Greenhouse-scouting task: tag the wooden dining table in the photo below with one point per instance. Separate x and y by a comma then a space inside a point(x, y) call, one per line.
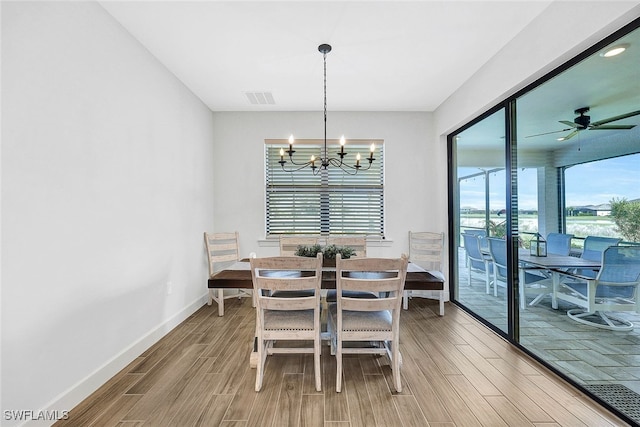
point(238, 276)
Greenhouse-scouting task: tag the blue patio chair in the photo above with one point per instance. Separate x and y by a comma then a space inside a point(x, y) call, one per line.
point(477, 261)
point(614, 289)
point(559, 243)
point(594, 246)
point(498, 252)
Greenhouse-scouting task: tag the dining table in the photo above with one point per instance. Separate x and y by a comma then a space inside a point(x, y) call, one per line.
point(555, 265)
point(238, 276)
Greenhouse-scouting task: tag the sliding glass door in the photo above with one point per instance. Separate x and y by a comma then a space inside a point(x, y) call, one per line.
point(561, 158)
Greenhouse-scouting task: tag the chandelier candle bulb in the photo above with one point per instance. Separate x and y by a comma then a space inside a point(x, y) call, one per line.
point(358, 160)
point(281, 154)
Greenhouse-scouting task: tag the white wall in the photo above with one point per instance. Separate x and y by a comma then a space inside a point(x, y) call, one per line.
point(107, 187)
point(415, 170)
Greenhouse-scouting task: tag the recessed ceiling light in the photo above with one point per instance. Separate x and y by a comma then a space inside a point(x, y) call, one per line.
point(562, 138)
point(615, 50)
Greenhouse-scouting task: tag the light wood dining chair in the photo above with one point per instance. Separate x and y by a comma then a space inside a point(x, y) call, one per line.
point(286, 319)
point(426, 250)
point(377, 320)
point(357, 243)
point(289, 244)
point(222, 251)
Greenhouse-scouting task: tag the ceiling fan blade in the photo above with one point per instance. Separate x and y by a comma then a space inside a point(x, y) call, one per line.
point(605, 127)
point(548, 133)
point(568, 123)
point(613, 119)
point(571, 135)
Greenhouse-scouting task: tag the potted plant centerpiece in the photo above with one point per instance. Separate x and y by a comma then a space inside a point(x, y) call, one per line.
point(328, 253)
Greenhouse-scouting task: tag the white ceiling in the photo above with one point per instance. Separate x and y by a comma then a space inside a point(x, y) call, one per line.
point(387, 55)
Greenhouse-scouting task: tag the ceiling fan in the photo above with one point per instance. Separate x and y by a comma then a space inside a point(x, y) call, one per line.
point(583, 122)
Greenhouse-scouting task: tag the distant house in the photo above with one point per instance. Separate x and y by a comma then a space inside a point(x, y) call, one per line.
point(593, 210)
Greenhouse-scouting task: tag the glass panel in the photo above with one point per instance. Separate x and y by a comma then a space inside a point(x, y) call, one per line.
point(481, 206)
point(579, 136)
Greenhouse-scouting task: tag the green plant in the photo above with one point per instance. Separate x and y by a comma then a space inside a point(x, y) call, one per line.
point(308, 251)
point(626, 215)
point(497, 229)
point(331, 251)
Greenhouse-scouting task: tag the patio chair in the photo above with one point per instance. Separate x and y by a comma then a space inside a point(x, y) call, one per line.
point(369, 320)
point(614, 289)
point(425, 250)
point(559, 243)
point(476, 260)
point(286, 319)
point(594, 246)
point(529, 282)
point(222, 251)
point(482, 234)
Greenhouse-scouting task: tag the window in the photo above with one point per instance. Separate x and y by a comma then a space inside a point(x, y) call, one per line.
point(331, 202)
point(590, 189)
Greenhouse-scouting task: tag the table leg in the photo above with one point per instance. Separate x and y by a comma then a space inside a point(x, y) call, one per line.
point(555, 279)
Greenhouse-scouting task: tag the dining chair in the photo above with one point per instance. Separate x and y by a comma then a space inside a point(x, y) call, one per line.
point(425, 250)
point(614, 289)
point(476, 260)
point(357, 243)
point(222, 251)
point(287, 319)
point(529, 283)
point(352, 321)
point(559, 243)
point(289, 244)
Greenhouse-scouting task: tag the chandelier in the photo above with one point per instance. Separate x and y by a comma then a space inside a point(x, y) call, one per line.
point(324, 161)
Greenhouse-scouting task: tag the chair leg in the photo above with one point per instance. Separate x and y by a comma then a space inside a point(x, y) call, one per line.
point(211, 297)
point(441, 303)
point(339, 366)
point(220, 302)
point(405, 300)
point(316, 359)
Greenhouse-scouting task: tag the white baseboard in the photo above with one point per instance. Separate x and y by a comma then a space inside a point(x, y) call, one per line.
point(81, 390)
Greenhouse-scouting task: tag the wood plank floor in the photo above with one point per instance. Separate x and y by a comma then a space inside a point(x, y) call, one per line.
point(455, 372)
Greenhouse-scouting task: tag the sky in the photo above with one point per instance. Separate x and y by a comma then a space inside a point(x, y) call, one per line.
point(587, 184)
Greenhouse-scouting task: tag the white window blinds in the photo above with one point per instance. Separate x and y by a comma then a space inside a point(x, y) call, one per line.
point(332, 202)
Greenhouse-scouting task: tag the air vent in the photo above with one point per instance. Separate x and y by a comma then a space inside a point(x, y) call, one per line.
point(260, 98)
